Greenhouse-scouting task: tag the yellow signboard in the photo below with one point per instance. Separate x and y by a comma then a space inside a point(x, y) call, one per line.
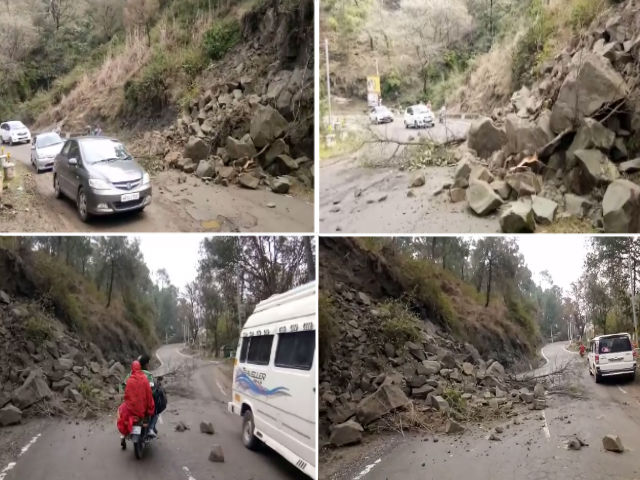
point(373, 84)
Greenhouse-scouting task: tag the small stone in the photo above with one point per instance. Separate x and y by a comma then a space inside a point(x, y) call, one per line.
point(207, 427)
point(612, 443)
point(216, 455)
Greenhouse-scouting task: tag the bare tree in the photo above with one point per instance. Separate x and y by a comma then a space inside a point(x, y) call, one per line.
point(140, 14)
point(59, 10)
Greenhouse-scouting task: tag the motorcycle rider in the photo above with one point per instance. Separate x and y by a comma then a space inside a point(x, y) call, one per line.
point(582, 349)
point(144, 364)
point(138, 401)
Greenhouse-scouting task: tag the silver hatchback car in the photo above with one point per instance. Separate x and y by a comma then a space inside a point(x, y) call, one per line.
point(44, 149)
point(101, 177)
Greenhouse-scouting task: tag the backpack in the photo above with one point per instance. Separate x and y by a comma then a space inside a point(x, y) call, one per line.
point(160, 399)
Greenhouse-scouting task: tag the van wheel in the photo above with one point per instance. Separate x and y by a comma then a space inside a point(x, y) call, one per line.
point(598, 377)
point(248, 438)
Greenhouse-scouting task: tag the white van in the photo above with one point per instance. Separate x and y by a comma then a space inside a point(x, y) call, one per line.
point(612, 355)
point(274, 379)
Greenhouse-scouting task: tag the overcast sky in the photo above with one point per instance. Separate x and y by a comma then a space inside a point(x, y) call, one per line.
point(562, 255)
point(176, 253)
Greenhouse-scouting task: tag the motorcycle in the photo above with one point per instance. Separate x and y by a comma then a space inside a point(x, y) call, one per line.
point(139, 435)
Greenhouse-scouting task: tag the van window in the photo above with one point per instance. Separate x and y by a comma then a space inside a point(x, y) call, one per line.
point(260, 350)
point(296, 349)
point(615, 344)
point(244, 349)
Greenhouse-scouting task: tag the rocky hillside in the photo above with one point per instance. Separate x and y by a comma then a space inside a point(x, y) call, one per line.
point(50, 363)
point(562, 152)
point(384, 348)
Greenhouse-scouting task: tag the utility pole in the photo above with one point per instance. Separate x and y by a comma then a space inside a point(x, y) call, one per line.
point(326, 51)
point(551, 333)
point(632, 289)
point(377, 71)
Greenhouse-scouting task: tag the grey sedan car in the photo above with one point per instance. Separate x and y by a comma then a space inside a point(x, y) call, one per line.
point(101, 177)
point(44, 149)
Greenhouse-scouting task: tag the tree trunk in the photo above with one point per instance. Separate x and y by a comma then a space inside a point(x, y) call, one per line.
point(311, 262)
point(110, 284)
point(489, 283)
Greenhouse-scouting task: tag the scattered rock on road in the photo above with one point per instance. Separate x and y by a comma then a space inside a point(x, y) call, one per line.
point(207, 427)
point(494, 437)
point(346, 433)
point(417, 180)
point(216, 455)
point(181, 426)
point(612, 443)
point(453, 427)
point(10, 415)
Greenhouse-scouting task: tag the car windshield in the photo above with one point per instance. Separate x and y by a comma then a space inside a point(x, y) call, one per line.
point(421, 109)
point(615, 344)
point(48, 139)
point(16, 125)
point(103, 150)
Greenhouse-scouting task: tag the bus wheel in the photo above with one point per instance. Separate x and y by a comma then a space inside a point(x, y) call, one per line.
point(248, 438)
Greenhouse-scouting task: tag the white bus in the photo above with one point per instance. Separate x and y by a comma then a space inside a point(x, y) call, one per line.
point(274, 379)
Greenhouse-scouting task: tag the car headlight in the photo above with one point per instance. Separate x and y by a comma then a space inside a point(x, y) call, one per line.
point(98, 184)
point(146, 179)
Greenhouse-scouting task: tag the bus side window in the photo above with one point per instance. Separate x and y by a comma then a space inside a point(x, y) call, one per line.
point(296, 349)
point(259, 351)
point(244, 349)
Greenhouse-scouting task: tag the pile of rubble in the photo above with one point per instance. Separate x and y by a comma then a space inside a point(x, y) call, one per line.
point(563, 148)
point(253, 123)
point(367, 380)
point(46, 370)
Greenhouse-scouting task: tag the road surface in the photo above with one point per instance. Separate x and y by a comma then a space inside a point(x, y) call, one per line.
point(350, 191)
point(532, 450)
point(192, 206)
point(70, 450)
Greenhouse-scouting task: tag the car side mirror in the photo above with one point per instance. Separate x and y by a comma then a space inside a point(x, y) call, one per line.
point(73, 161)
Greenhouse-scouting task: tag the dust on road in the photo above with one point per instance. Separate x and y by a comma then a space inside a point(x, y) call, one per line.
point(181, 203)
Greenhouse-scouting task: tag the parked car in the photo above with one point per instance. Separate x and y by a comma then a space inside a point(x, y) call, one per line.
point(274, 386)
point(14, 132)
point(44, 149)
point(101, 177)
point(380, 114)
point(612, 355)
point(418, 116)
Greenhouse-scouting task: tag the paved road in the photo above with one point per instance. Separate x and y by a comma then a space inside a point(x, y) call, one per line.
point(65, 450)
point(535, 449)
point(191, 206)
point(350, 191)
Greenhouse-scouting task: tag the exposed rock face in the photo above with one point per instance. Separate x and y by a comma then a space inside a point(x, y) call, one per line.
point(485, 138)
point(585, 90)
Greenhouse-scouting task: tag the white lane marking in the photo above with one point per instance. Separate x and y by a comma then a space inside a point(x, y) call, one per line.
point(569, 351)
point(5, 471)
point(28, 445)
point(180, 353)
point(367, 469)
point(188, 473)
point(621, 389)
point(220, 388)
point(546, 360)
point(159, 359)
point(547, 433)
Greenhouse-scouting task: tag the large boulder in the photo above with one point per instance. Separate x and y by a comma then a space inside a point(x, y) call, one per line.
point(243, 148)
point(196, 149)
point(485, 138)
point(524, 135)
point(518, 218)
point(524, 183)
point(482, 199)
point(596, 169)
point(589, 86)
point(10, 415)
point(34, 389)
point(544, 210)
point(384, 400)
point(621, 207)
point(591, 135)
point(266, 125)
point(205, 169)
point(346, 433)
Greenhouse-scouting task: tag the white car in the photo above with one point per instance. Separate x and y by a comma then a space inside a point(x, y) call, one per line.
point(14, 132)
point(418, 116)
point(274, 378)
point(612, 355)
point(380, 114)
point(44, 149)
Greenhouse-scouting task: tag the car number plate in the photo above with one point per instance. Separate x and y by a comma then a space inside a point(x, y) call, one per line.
point(137, 430)
point(130, 197)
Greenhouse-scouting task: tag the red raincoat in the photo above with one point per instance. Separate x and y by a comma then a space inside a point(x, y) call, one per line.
point(138, 400)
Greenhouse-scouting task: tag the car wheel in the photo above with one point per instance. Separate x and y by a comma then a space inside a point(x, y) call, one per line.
point(632, 377)
point(11, 142)
point(598, 378)
point(81, 203)
point(56, 186)
point(248, 438)
point(590, 372)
